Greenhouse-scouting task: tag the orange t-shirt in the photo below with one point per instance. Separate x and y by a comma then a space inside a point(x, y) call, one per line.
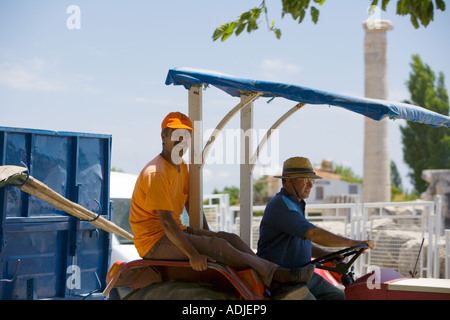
point(159, 186)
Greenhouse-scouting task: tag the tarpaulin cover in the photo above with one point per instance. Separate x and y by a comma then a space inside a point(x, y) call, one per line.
point(372, 108)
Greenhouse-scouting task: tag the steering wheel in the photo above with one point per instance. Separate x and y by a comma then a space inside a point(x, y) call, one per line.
point(341, 267)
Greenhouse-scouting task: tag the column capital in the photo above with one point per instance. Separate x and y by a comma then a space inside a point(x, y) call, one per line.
point(377, 25)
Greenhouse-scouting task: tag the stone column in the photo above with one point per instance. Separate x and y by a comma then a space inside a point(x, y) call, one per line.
point(439, 185)
point(377, 172)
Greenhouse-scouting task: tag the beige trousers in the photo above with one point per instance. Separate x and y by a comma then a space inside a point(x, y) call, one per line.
point(224, 247)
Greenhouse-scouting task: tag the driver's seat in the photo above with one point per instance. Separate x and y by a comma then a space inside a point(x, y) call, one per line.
point(245, 284)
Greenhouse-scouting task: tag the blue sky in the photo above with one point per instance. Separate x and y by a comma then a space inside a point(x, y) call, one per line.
point(108, 76)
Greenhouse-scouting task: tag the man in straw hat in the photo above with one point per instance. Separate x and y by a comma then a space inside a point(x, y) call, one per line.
point(287, 238)
point(159, 197)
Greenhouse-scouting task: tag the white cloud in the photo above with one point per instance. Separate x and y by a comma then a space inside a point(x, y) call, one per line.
point(271, 170)
point(147, 100)
point(207, 175)
point(29, 76)
point(223, 174)
point(210, 174)
point(276, 69)
point(41, 75)
point(399, 95)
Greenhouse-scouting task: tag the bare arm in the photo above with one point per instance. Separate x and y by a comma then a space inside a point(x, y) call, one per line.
point(205, 222)
point(328, 239)
point(317, 252)
point(177, 236)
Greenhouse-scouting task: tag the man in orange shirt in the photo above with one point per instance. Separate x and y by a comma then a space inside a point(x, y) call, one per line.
point(159, 197)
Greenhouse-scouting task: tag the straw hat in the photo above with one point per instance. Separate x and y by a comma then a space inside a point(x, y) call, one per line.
point(177, 120)
point(298, 167)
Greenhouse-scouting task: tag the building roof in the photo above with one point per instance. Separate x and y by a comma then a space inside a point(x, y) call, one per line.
point(327, 174)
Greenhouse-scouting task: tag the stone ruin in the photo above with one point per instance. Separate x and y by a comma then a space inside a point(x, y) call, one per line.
point(439, 185)
point(399, 240)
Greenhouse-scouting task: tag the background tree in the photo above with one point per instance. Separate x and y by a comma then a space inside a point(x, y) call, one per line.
point(419, 11)
point(396, 180)
point(425, 147)
point(347, 174)
point(233, 192)
point(260, 192)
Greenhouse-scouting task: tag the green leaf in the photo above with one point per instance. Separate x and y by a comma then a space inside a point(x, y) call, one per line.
point(429, 14)
point(301, 15)
point(219, 31)
point(255, 13)
point(245, 15)
point(314, 14)
point(420, 12)
point(228, 31)
point(240, 28)
point(230, 27)
point(225, 36)
point(402, 8)
point(277, 33)
point(414, 22)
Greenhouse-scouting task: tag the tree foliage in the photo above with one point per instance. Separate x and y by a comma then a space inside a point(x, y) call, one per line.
point(248, 20)
point(421, 12)
point(233, 192)
point(396, 180)
point(425, 147)
point(260, 192)
point(347, 174)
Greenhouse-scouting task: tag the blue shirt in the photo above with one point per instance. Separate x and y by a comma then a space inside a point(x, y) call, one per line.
point(282, 232)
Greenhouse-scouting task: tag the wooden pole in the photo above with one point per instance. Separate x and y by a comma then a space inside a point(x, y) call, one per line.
point(42, 191)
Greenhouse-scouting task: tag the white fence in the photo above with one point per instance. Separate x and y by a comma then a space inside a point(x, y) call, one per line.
point(447, 254)
point(217, 211)
point(408, 235)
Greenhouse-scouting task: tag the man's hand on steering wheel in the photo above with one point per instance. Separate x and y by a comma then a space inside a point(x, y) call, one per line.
point(354, 251)
point(370, 244)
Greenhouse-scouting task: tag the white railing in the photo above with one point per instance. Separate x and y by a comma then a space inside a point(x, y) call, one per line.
point(394, 240)
point(398, 237)
point(447, 253)
point(220, 217)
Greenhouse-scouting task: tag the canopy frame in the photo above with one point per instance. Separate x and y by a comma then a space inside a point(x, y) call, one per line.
point(248, 160)
point(248, 90)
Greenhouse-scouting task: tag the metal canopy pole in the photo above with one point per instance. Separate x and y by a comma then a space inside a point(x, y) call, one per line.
point(247, 159)
point(196, 161)
point(246, 183)
point(245, 100)
point(266, 137)
point(248, 162)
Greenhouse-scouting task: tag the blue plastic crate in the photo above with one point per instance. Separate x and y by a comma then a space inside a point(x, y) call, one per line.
point(60, 256)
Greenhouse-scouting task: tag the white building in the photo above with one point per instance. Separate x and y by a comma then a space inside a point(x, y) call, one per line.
point(330, 189)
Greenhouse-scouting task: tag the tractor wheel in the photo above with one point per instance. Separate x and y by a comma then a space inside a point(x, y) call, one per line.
point(176, 290)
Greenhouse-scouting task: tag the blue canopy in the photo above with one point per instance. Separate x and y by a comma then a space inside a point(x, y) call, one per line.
point(372, 108)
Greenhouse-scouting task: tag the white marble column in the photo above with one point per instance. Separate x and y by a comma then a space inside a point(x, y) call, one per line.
point(376, 180)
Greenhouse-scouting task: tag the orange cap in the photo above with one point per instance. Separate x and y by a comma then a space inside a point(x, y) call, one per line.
point(177, 120)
